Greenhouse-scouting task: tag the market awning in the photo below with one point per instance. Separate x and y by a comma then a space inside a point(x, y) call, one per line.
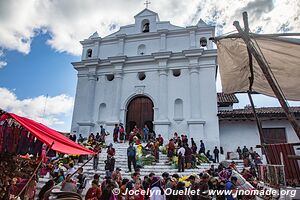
point(48, 136)
point(282, 55)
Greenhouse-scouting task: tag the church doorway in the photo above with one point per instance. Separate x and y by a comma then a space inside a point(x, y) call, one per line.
point(139, 112)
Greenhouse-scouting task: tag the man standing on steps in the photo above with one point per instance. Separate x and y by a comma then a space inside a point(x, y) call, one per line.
point(116, 132)
point(81, 184)
point(131, 154)
point(146, 133)
point(109, 165)
point(97, 149)
point(110, 150)
point(216, 154)
point(202, 147)
point(181, 161)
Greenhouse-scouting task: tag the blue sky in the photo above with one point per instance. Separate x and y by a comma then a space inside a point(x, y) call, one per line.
point(42, 71)
point(40, 38)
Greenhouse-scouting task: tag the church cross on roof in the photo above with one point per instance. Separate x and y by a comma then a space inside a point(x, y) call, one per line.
point(147, 3)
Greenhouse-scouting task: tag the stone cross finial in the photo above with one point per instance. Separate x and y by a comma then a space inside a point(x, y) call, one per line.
point(147, 3)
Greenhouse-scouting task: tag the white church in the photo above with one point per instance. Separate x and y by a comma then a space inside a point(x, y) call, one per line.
point(155, 73)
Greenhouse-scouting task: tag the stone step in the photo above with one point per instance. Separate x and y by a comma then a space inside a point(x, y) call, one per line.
point(121, 161)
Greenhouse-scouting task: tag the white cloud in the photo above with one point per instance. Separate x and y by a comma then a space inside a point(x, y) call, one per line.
point(70, 21)
point(2, 62)
point(56, 107)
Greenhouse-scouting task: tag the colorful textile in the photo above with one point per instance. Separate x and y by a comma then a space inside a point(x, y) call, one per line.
point(48, 136)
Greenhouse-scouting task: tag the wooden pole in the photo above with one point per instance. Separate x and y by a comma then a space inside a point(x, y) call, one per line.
point(269, 78)
point(81, 166)
point(251, 79)
point(294, 157)
point(34, 173)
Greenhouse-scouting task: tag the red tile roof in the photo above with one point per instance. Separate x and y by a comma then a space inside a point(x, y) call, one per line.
point(227, 98)
point(263, 112)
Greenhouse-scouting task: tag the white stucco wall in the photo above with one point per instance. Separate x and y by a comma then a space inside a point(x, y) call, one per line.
point(240, 133)
point(167, 47)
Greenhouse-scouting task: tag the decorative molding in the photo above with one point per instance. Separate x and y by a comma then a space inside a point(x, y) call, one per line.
point(121, 36)
point(162, 55)
point(196, 121)
point(162, 122)
point(86, 123)
point(147, 58)
point(100, 122)
point(112, 123)
point(193, 52)
point(178, 119)
point(192, 28)
point(139, 89)
point(117, 59)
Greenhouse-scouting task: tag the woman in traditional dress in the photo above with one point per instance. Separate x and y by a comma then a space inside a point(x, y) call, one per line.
point(171, 149)
point(121, 133)
point(94, 193)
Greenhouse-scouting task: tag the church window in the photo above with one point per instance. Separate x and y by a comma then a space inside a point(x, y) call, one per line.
point(110, 77)
point(141, 50)
point(141, 76)
point(89, 53)
point(203, 42)
point(176, 72)
point(102, 114)
point(178, 109)
point(145, 26)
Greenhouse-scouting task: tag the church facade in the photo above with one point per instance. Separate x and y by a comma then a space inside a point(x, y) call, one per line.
point(150, 72)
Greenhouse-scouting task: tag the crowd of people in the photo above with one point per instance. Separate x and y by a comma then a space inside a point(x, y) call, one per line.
point(60, 168)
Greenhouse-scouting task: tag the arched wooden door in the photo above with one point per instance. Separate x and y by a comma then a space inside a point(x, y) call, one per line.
point(139, 112)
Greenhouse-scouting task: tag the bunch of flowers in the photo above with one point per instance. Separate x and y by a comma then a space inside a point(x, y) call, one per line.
point(184, 179)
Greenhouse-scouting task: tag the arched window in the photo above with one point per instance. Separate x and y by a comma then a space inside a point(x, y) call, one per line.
point(89, 53)
point(203, 42)
point(102, 112)
point(178, 109)
point(141, 50)
point(145, 26)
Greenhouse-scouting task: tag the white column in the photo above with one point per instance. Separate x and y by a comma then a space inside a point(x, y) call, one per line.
point(163, 42)
point(194, 93)
point(163, 94)
point(96, 49)
point(117, 100)
point(91, 96)
point(192, 39)
point(121, 42)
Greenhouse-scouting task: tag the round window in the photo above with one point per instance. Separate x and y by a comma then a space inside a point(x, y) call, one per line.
point(176, 72)
point(141, 76)
point(110, 77)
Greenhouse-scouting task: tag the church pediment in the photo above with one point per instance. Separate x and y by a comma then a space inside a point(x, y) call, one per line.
point(201, 23)
point(146, 13)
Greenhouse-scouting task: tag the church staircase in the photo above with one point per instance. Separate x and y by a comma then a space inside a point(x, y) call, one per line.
point(121, 161)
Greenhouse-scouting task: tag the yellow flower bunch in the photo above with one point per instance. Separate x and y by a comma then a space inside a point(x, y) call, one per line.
point(184, 180)
point(139, 150)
